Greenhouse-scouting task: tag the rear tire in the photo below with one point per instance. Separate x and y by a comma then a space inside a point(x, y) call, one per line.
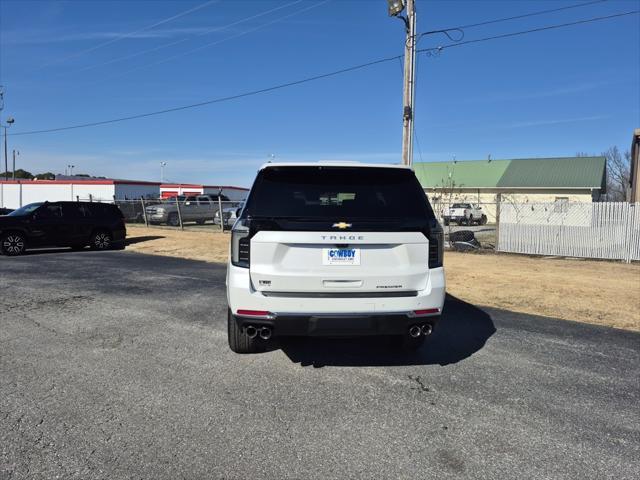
point(446, 223)
point(173, 220)
point(239, 342)
point(483, 220)
point(101, 240)
point(13, 244)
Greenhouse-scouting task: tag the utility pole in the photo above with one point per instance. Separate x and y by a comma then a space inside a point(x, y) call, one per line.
point(408, 88)
point(14, 163)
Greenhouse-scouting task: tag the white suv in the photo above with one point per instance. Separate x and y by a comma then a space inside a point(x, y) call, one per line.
point(334, 249)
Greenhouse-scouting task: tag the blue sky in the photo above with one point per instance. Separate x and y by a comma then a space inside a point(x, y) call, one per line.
point(62, 63)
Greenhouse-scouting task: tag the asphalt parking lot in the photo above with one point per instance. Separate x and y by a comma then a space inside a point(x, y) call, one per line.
point(116, 365)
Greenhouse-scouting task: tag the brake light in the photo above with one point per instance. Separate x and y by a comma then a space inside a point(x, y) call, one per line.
point(240, 244)
point(427, 311)
point(435, 235)
point(254, 313)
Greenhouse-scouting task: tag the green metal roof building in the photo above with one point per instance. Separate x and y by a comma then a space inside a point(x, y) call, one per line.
point(567, 173)
point(522, 180)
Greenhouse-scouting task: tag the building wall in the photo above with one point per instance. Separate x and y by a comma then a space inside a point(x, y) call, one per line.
point(166, 192)
point(128, 191)
point(15, 195)
point(9, 195)
point(234, 194)
point(97, 193)
point(489, 198)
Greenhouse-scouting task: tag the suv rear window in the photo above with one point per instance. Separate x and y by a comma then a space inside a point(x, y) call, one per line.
point(337, 193)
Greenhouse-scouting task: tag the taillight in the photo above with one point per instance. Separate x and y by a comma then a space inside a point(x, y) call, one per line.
point(436, 245)
point(240, 244)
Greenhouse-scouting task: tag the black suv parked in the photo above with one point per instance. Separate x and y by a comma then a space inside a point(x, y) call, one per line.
point(62, 224)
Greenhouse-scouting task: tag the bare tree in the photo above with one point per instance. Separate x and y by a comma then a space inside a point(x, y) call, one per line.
point(618, 174)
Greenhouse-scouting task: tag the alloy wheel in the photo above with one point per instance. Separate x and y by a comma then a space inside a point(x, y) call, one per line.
point(13, 244)
point(102, 241)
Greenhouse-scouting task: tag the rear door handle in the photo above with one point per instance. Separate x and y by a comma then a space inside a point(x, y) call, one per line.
point(342, 283)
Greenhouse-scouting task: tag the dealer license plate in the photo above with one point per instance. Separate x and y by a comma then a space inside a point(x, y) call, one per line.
point(341, 256)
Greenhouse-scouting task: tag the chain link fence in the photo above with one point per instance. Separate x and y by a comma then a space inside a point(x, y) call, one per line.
point(176, 212)
point(603, 230)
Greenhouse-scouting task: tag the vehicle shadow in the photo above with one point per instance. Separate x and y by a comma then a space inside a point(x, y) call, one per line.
point(143, 238)
point(463, 330)
point(49, 250)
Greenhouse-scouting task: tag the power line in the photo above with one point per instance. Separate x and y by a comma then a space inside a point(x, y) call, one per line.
point(524, 32)
point(504, 19)
point(182, 40)
point(318, 77)
point(129, 34)
point(216, 100)
point(216, 42)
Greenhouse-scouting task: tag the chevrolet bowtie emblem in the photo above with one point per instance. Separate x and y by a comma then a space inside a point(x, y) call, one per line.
point(342, 225)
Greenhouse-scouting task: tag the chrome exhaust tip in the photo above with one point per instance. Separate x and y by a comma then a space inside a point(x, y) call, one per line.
point(427, 329)
point(265, 333)
point(415, 331)
point(251, 331)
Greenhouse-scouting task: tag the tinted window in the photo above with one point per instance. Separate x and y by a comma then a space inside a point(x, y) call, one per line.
point(73, 210)
point(25, 210)
point(337, 193)
point(461, 205)
point(51, 210)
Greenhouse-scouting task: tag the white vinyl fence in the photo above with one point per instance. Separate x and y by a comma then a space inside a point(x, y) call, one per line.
point(589, 230)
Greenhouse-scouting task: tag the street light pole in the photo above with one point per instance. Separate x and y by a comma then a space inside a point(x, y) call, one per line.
point(408, 88)
point(162, 165)
point(6, 165)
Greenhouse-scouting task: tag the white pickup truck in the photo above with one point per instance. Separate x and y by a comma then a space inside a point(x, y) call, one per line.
point(464, 214)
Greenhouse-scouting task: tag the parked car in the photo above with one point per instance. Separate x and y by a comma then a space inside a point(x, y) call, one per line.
point(334, 249)
point(62, 224)
point(199, 209)
point(464, 214)
point(230, 215)
point(5, 211)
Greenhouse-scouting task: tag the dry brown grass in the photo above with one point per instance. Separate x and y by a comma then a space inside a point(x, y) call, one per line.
point(604, 293)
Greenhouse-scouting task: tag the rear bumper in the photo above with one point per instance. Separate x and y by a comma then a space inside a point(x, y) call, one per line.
point(314, 315)
point(315, 325)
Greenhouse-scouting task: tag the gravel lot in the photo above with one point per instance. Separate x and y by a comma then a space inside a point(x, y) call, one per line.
point(116, 365)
